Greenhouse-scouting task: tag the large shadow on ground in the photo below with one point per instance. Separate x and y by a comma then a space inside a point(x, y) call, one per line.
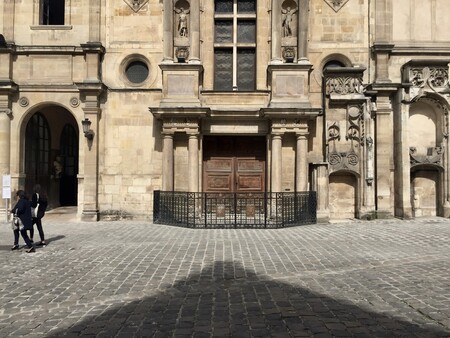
point(228, 301)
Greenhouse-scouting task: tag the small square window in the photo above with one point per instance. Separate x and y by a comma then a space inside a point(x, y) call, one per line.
point(51, 12)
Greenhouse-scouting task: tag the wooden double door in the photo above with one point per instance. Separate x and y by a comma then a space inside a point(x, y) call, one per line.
point(234, 164)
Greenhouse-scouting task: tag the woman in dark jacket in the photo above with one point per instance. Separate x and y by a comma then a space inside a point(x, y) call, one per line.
point(22, 209)
point(39, 204)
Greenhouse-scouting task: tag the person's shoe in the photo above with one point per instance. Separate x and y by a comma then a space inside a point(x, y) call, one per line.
point(15, 247)
point(43, 243)
point(32, 249)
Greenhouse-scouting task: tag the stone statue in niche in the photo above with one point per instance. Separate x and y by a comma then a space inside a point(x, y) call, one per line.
point(182, 22)
point(287, 20)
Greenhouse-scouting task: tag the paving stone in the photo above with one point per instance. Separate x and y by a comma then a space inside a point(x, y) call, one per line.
point(353, 279)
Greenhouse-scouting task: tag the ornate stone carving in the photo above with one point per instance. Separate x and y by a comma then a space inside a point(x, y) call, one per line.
point(23, 101)
point(182, 54)
point(336, 4)
point(348, 160)
point(433, 156)
point(182, 21)
point(289, 54)
point(74, 102)
point(434, 77)
point(136, 5)
point(288, 20)
point(344, 85)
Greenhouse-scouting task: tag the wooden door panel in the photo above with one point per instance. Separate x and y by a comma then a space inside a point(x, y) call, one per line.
point(234, 164)
point(219, 183)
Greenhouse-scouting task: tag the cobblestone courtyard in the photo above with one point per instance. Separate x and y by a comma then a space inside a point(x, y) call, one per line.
point(135, 279)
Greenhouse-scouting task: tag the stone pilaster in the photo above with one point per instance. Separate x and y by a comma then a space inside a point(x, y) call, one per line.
point(276, 32)
point(195, 32)
point(320, 184)
point(8, 20)
point(303, 25)
point(168, 31)
point(384, 153)
point(90, 95)
point(95, 7)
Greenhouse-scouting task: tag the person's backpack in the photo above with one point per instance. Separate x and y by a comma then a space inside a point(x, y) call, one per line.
point(42, 206)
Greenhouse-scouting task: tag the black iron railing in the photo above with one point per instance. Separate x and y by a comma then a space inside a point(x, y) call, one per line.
point(234, 210)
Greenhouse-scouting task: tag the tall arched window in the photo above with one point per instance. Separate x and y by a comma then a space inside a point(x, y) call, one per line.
point(235, 45)
point(37, 150)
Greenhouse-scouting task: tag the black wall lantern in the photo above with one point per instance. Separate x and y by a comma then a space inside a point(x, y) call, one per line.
point(88, 132)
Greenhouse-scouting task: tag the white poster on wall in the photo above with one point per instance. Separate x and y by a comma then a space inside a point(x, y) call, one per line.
point(6, 186)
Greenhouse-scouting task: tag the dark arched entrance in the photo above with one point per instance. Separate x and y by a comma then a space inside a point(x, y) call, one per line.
point(51, 155)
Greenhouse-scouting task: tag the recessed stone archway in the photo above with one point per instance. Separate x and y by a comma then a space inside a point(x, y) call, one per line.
point(51, 154)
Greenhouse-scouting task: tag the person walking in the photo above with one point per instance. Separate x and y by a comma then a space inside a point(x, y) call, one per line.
point(38, 207)
point(22, 210)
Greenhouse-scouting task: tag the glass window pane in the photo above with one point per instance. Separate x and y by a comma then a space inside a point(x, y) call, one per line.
point(246, 63)
point(224, 6)
point(246, 6)
point(223, 69)
point(246, 31)
point(224, 31)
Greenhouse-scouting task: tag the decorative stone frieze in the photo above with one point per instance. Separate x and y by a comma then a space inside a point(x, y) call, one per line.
point(434, 156)
point(344, 83)
point(426, 76)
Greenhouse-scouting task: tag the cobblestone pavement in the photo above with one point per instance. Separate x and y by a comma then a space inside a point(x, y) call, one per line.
point(135, 279)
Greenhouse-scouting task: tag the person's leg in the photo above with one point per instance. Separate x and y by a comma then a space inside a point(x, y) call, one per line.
point(41, 231)
point(25, 237)
point(16, 240)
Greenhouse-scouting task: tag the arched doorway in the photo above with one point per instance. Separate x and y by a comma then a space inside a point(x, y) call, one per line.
point(51, 155)
point(426, 138)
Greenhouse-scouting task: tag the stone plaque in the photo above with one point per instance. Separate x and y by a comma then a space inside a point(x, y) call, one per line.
point(180, 85)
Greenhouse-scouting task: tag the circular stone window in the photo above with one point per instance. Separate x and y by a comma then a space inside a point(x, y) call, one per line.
point(137, 71)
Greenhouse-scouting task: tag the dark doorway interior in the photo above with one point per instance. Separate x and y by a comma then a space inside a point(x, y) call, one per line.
point(69, 161)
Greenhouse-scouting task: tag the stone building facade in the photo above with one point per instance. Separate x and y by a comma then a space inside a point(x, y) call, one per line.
point(348, 98)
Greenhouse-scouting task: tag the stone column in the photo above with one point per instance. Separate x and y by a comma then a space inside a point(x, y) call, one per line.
point(195, 32)
point(384, 151)
point(303, 24)
point(193, 162)
point(168, 31)
point(276, 31)
point(167, 163)
point(276, 162)
point(302, 163)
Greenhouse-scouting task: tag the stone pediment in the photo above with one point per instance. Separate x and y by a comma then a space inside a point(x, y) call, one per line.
point(136, 5)
point(336, 4)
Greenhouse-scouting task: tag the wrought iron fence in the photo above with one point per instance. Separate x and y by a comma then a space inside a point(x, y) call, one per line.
point(234, 210)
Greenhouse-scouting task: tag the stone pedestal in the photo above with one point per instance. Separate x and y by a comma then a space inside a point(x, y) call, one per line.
point(181, 83)
point(290, 84)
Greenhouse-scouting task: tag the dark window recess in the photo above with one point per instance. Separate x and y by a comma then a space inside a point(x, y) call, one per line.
point(224, 31)
point(37, 151)
point(137, 72)
point(223, 64)
point(246, 6)
point(52, 12)
point(224, 6)
point(246, 69)
point(246, 31)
